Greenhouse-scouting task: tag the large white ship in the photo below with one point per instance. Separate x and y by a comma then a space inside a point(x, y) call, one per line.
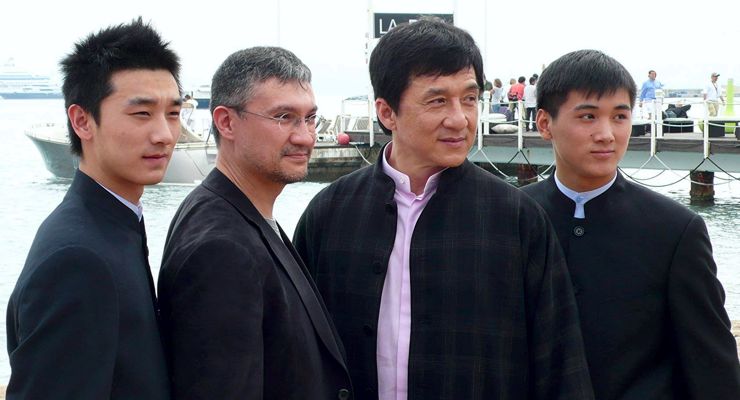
point(18, 84)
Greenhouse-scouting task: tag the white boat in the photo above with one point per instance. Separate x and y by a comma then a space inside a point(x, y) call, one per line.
point(18, 84)
point(192, 160)
point(202, 94)
point(195, 153)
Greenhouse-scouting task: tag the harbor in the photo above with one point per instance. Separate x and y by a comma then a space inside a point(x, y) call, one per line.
point(691, 149)
point(694, 161)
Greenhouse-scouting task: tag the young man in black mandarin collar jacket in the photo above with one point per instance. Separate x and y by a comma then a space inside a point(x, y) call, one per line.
point(650, 304)
point(82, 320)
point(242, 317)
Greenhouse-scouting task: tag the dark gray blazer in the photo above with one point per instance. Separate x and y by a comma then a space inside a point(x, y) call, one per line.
point(81, 321)
point(651, 307)
point(493, 314)
point(241, 316)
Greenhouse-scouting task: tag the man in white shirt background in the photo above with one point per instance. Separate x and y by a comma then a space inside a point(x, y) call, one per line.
point(713, 95)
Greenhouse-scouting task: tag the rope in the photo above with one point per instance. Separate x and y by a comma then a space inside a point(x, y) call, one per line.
point(725, 172)
point(494, 165)
point(647, 185)
point(641, 181)
point(362, 155)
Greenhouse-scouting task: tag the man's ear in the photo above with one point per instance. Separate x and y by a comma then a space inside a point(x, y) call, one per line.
point(385, 114)
point(223, 118)
point(544, 119)
point(82, 122)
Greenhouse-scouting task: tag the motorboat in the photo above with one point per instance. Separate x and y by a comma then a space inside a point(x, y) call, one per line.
point(202, 94)
point(195, 153)
point(193, 158)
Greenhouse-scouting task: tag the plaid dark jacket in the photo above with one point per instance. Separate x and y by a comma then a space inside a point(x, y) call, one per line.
point(493, 310)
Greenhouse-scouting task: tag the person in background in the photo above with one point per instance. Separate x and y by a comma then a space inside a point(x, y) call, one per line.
point(515, 94)
point(188, 109)
point(241, 317)
point(506, 89)
point(82, 319)
point(650, 305)
point(530, 104)
point(508, 106)
point(444, 282)
point(713, 95)
point(496, 95)
point(647, 93)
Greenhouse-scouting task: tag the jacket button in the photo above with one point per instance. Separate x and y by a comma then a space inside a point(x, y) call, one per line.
point(343, 394)
point(579, 231)
point(368, 330)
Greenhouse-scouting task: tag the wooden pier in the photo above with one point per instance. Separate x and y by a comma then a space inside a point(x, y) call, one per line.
point(677, 151)
point(526, 152)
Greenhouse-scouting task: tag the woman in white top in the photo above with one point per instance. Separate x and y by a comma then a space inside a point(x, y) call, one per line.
point(496, 94)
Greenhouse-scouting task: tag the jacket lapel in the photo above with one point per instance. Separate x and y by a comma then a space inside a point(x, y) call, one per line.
point(285, 256)
point(305, 288)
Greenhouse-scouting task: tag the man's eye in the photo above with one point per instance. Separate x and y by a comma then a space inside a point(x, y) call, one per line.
point(311, 119)
point(284, 117)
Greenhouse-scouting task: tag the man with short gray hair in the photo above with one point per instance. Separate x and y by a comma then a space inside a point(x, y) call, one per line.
point(241, 318)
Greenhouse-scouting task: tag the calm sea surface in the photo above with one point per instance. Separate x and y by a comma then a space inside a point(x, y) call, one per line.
point(30, 193)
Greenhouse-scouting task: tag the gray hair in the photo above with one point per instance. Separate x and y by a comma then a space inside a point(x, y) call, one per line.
point(235, 80)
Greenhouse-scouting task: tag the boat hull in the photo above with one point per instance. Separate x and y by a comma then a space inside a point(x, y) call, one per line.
point(190, 162)
point(30, 96)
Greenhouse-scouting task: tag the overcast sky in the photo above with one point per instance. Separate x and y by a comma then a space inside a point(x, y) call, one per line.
point(685, 41)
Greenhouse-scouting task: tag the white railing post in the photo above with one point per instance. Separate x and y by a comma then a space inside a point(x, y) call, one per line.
point(651, 116)
point(658, 106)
point(706, 130)
point(520, 134)
point(486, 105)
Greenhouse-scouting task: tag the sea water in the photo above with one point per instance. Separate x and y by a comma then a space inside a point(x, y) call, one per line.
point(30, 193)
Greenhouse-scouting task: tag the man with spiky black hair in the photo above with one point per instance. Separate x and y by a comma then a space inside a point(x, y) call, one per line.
point(83, 318)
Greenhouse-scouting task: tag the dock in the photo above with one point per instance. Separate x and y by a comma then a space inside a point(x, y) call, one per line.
point(678, 151)
point(527, 154)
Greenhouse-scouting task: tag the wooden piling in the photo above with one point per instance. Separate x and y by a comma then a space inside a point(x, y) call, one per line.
point(526, 174)
point(702, 187)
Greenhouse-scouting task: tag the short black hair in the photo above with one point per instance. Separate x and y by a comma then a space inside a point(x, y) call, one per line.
point(427, 47)
point(88, 69)
point(590, 72)
point(236, 78)
point(522, 79)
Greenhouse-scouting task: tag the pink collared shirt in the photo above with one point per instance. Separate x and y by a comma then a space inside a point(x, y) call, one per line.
point(394, 319)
